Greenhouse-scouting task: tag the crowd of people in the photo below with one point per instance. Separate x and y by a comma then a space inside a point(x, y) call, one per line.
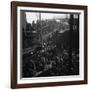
point(48, 60)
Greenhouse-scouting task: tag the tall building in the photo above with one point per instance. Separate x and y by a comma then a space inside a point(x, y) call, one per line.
point(23, 20)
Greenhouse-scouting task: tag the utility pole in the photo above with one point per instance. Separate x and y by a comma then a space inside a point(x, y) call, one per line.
point(40, 29)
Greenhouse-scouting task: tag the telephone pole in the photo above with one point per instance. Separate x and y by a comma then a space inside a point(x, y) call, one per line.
point(40, 29)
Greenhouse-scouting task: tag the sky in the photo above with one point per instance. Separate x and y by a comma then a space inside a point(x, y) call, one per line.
point(34, 16)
